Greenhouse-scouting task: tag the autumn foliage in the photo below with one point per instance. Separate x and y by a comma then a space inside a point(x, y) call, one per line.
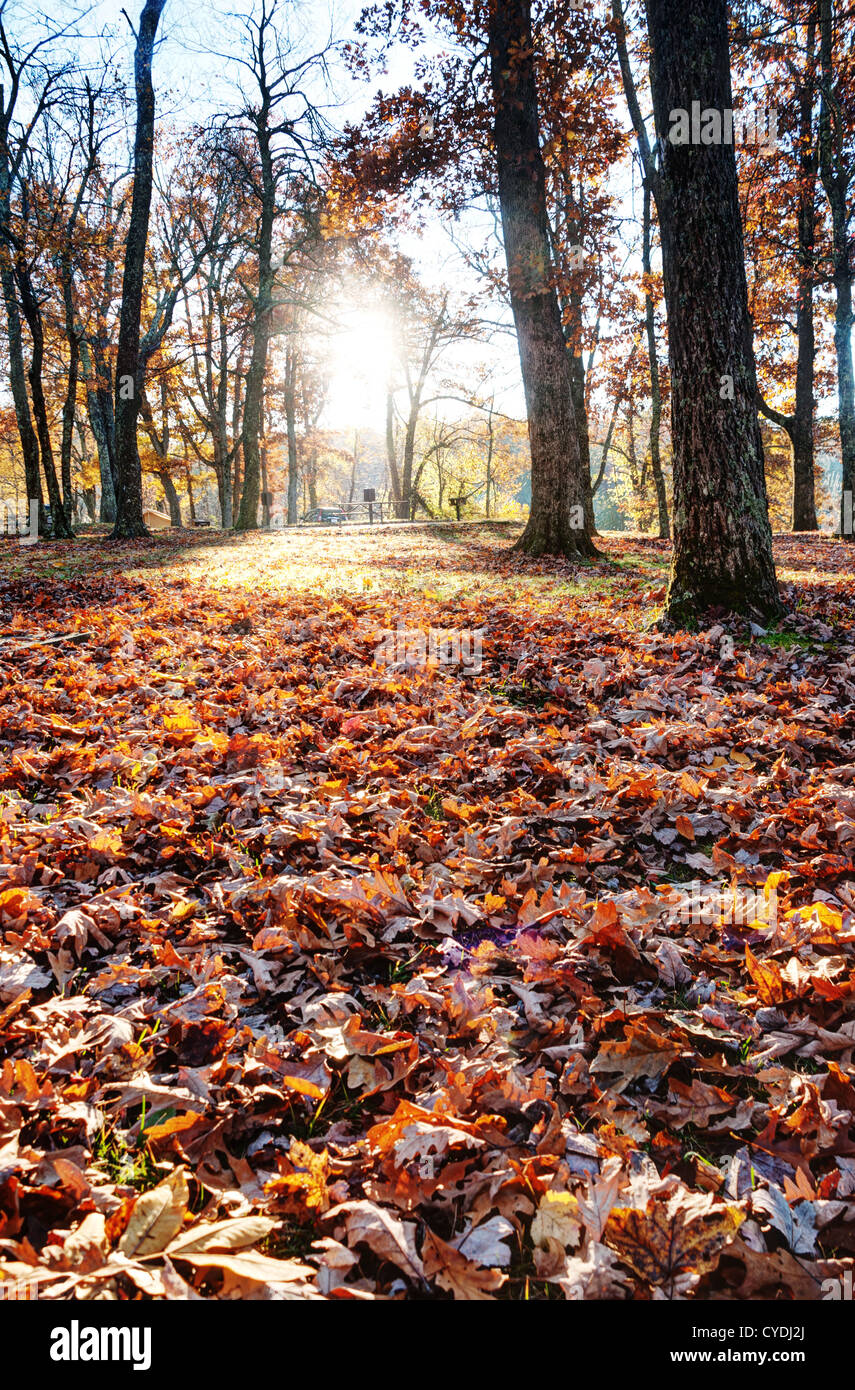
point(356, 982)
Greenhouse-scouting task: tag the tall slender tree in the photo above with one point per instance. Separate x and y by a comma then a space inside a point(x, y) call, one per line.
point(837, 172)
point(653, 369)
point(775, 61)
point(20, 66)
point(557, 524)
point(283, 128)
point(129, 502)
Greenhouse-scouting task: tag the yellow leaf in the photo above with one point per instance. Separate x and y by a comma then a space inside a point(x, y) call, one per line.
point(305, 1088)
point(557, 1218)
point(305, 1190)
point(176, 723)
point(825, 914)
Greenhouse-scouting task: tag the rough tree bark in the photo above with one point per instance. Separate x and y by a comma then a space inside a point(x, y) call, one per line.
point(722, 536)
point(129, 500)
point(557, 523)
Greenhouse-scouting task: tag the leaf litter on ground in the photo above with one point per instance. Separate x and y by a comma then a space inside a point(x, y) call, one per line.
point(324, 978)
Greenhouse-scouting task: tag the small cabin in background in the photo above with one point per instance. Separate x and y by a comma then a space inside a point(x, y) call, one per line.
point(155, 521)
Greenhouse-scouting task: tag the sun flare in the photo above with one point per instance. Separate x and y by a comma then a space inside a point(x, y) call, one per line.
point(362, 361)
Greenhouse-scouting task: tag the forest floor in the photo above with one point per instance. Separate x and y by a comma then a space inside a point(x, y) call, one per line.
point(525, 975)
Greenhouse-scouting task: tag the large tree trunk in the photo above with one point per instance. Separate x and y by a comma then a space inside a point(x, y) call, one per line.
point(722, 537)
point(557, 523)
point(835, 175)
point(129, 499)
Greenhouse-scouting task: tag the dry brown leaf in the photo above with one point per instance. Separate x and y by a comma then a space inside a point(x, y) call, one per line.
point(156, 1216)
point(461, 1277)
point(389, 1238)
point(682, 1234)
